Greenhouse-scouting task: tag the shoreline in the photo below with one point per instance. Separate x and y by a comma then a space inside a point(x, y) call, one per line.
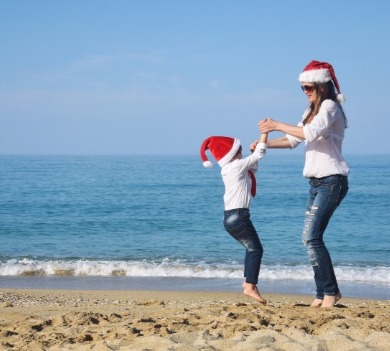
point(294, 287)
point(37, 319)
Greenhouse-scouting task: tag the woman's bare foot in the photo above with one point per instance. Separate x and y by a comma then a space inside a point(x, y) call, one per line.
point(252, 291)
point(330, 301)
point(316, 303)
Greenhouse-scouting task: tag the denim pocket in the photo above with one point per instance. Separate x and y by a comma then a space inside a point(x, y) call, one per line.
point(235, 220)
point(338, 188)
point(328, 191)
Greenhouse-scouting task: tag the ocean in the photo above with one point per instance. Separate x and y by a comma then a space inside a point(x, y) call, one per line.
point(155, 223)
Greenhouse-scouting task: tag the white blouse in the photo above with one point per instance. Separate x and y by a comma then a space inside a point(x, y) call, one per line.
point(237, 180)
point(323, 142)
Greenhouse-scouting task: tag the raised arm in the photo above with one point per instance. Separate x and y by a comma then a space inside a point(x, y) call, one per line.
point(264, 138)
point(269, 125)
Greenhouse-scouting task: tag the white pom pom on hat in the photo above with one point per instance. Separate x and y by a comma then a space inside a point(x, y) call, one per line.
point(222, 148)
point(341, 98)
point(207, 164)
point(321, 72)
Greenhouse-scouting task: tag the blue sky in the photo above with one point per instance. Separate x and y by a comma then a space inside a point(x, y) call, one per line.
point(158, 77)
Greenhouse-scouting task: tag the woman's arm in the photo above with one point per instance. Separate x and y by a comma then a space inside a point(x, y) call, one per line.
point(280, 143)
point(269, 125)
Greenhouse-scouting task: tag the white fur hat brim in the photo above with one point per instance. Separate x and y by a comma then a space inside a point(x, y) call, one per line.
point(315, 76)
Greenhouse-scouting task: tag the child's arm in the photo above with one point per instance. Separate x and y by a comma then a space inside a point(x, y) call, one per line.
point(255, 147)
point(252, 146)
point(263, 138)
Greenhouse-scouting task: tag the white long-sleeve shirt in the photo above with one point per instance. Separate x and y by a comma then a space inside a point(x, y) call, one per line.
point(237, 180)
point(323, 142)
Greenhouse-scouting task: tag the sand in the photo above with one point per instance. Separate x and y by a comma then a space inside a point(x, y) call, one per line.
point(185, 321)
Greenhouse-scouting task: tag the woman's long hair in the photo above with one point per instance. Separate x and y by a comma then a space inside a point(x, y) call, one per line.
point(325, 91)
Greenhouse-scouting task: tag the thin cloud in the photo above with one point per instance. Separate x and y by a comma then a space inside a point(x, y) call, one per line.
point(94, 61)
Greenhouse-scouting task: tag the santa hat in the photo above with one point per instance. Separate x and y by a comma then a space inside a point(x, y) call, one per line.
point(222, 148)
point(321, 72)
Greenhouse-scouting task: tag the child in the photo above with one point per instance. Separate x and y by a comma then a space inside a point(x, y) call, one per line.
point(240, 183)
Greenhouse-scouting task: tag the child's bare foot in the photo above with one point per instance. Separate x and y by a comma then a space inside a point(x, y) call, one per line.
point(316, 303)
point(330, 301)
point(252, 291)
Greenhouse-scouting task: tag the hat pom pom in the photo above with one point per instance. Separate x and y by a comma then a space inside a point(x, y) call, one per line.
point(341, 98)
point(207, 164)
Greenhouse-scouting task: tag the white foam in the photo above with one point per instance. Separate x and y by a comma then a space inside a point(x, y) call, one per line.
point(169, 268)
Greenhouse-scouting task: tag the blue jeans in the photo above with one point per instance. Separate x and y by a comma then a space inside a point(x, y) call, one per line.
point(238, 224)
point(325, 196)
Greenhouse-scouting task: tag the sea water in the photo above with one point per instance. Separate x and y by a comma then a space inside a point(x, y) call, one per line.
point(155, 222)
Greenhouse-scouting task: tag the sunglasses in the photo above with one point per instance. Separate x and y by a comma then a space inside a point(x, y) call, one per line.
point(308, 88)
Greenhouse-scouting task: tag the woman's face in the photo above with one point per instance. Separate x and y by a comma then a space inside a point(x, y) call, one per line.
point(310, 91)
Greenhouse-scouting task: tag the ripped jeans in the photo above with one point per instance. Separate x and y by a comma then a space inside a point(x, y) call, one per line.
point(325, 196)
point(238, 224)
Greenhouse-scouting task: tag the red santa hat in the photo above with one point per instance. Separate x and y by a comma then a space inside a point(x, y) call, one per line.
point(321, 72)
point(222, 148)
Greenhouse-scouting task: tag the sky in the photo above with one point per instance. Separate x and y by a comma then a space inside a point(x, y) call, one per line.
point(158, 77)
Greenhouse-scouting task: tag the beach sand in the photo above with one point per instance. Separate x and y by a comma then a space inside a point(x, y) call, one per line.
point(185, 321)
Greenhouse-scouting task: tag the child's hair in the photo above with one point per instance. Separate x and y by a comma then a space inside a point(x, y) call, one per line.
point(238, 151)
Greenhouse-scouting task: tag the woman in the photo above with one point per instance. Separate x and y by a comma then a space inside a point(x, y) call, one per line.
point(322, 129)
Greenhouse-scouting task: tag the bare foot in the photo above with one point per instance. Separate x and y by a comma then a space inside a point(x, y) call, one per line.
point(330, 301)
point(252, 291)
point(316, 303)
